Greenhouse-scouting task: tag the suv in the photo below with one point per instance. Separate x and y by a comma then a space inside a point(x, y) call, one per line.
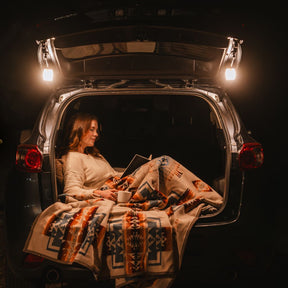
point(156, 90)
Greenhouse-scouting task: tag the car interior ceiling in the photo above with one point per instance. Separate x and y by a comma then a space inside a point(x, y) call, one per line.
point(175, 125)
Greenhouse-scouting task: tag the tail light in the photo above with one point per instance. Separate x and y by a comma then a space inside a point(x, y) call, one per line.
point(33, 260)
point(251, 156)
point(28, 158)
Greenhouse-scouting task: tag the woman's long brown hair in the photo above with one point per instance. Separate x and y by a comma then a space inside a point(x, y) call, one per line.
point(78, 125)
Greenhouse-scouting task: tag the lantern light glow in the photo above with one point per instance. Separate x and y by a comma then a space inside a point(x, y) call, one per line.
point(47, 74)
point(230, 74)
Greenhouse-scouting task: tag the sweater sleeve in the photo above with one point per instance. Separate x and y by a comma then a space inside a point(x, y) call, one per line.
point(74, 179)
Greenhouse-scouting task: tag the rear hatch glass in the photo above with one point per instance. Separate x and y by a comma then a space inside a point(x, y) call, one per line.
point(158, 58)
point(135, 51)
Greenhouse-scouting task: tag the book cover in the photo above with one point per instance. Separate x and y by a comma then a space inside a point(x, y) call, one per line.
point(135, 163)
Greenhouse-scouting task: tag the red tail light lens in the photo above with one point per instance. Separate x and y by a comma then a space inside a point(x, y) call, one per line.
point(251, 156)
point(32, 261)
point(28, 158)
point(30, 258)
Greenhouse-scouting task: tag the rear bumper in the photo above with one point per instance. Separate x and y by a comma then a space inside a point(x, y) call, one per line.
point(52, 272)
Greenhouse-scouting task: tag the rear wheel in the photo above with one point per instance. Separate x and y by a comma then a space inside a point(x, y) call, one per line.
point(7, 278)
point(10, 280)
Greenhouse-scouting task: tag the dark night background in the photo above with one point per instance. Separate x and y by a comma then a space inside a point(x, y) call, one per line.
point(259, 96)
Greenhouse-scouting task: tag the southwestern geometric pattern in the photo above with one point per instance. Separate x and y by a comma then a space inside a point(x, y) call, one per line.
point(73, 232)
point(138, 241)
point(143, 241)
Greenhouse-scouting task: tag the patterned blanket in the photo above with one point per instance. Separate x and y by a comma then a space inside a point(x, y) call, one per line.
point(142, 240)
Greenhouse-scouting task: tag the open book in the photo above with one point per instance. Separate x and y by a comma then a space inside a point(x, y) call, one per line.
point(135, 163)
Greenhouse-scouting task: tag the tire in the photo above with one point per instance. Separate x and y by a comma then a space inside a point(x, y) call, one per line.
point(7, 278)
point(10, 280)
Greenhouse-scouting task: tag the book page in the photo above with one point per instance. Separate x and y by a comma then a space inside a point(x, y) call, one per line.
point(135, 163)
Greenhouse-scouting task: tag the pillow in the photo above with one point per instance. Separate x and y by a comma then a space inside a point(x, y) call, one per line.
point(60, 168)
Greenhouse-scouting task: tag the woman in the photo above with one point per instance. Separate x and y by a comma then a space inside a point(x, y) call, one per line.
point(88, 174)
point(86, 170)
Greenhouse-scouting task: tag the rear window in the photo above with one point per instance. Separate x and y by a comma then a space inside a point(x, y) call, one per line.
point(162, 57)
point(183, 127)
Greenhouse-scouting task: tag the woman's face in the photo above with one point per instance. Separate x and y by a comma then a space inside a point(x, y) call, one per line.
point(88, 139)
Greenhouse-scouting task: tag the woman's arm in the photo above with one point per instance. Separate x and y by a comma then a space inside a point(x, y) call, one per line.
point(75, 178)
point(110, 194)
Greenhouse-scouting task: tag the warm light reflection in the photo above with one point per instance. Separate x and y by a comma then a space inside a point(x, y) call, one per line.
point(230, 73)
point(47, 74)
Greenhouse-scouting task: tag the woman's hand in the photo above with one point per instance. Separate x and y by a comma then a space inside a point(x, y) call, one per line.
point(109, 194)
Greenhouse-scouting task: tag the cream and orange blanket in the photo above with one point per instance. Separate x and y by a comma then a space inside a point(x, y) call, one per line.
point(142, 240)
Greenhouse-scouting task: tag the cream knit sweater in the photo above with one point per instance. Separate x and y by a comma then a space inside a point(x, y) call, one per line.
point(85, 173)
